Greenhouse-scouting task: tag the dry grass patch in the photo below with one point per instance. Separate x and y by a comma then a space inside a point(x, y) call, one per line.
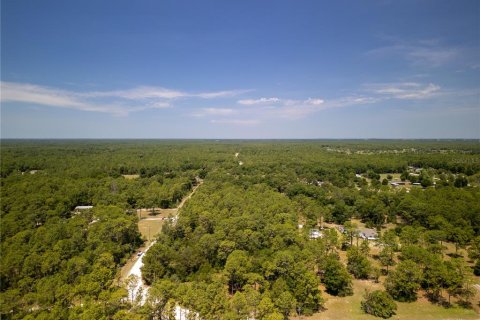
point(155, 212)
point(131, 176)
point(150, 228)
point(348, 308)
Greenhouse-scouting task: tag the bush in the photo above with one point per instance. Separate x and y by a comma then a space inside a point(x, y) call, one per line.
point(379, 303)
point(476, 268)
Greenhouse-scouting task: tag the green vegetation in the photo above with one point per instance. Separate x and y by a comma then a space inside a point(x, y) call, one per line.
point(236, 250)
point(379, 303)
point(336, 278)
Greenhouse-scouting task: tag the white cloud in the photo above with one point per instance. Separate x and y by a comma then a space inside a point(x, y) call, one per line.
point(121, 102)
point(261, 101)
point(405, 90)
point(145, 92)
point(28, 93)
point(272, 107)
point(315, 102)
point(285, 108)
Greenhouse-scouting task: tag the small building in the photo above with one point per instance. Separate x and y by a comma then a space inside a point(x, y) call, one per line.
point(368, 234)
point(315, 233)
point(78, 208)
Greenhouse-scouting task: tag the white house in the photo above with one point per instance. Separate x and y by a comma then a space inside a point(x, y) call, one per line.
point(315, 233)
point(83, 208)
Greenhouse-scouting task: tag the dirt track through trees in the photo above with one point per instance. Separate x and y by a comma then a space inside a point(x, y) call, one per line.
point(150, 227)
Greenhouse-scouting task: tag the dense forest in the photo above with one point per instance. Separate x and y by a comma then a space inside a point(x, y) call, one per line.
point(242, 246)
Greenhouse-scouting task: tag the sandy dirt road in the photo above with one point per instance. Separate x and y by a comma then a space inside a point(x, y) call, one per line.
point(134, 265)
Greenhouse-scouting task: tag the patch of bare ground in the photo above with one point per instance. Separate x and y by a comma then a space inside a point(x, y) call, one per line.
point(131, 176)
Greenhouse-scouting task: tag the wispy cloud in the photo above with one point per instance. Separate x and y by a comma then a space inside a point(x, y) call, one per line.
point(237, 122)
point(214, 112)
point(145, 92)
point(405, 90)
point(139, 93)
point(285, 108)
point(431, 56)
point(273, 107)
point(120, 102)
point(430, 52)
point(28, 93)
point(260, 101)
point(219, 94)
point(314, 102)
point(219, 111)
point(351, 101)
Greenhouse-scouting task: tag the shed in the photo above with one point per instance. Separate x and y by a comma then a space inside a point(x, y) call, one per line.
point(83, 208)
point(315, 233)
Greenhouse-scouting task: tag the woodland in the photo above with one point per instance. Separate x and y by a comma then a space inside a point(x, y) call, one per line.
point(241, 247)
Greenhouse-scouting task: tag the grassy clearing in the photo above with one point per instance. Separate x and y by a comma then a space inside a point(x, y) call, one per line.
point(150, 228)
point(131, 176)
point(348, 308)
point(155, 212)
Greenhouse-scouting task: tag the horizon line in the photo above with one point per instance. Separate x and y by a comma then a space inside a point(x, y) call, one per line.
point(252, 139)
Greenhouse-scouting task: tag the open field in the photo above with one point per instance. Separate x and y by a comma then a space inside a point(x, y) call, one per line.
point(131, 176)
point(348, 308)
point(155, 212)
point(150, 227)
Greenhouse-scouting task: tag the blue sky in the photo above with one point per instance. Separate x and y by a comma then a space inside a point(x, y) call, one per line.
point(240, 69)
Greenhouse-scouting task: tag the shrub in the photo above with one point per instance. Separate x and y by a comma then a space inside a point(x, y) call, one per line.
point(379, 303)
point(476, 268)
